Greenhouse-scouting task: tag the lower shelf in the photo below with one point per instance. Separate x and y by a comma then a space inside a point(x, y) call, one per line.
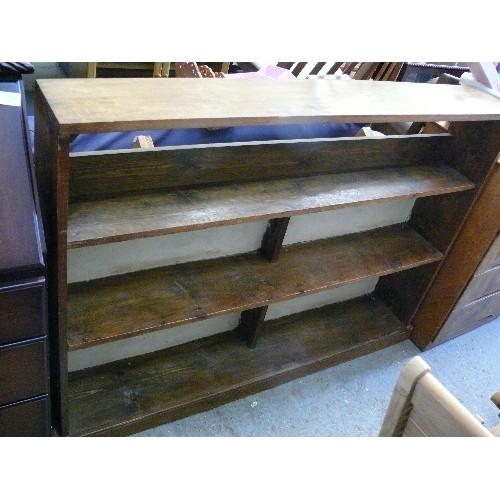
point(131, 395)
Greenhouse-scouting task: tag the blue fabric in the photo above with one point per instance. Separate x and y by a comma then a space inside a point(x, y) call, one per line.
point(191, 136)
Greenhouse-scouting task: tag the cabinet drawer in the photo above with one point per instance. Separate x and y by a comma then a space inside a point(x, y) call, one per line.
point(28, 419)
point(22, 310)
point(480, 286)
point(471, 314)
point(23, 371)
point(492, 258)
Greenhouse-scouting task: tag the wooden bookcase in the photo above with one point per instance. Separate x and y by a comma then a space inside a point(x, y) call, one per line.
point(101, 198)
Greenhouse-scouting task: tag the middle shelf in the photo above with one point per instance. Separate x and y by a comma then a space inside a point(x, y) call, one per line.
point(121, 306)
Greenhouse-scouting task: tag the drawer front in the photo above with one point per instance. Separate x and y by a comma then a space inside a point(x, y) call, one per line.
point(22, 312)
point(492, 258)
point(461, 319)
point(28, 419)
point(484, 284)
point(23, 371)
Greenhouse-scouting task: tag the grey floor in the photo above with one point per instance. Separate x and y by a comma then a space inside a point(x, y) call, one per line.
point(349, 400)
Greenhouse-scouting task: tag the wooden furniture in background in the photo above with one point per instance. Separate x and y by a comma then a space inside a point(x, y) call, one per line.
point(24, 371)
point(91, 199)
point(382, 71)
point(157, 69)
point(421, 406)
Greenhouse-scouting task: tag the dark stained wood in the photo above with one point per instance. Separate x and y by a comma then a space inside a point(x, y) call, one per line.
point(22, 311)
point(155, 213)
point(122, 306)
point(20, 239)
point(23, 371)
point(128, 396)
point(102, 174)
point(474, 240)
point(51, 163)
point(27, 419)
point(439, 219)
point(250, 324)
point(23, 303)
point(272, 241)
point(114, 104)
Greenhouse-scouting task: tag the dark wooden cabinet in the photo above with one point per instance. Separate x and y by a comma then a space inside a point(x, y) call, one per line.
point(24, 371)
point(111, 198)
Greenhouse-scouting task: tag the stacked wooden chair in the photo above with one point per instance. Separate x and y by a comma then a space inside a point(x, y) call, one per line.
point(421, 406)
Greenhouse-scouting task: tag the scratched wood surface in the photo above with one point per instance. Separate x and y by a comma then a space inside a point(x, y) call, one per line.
point(116, 307)
point(132, 395)
point(104, 173)
point(114, 104)
point(154, 213)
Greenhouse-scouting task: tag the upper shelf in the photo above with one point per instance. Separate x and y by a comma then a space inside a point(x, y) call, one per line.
point(149, 214)
point(115, 104)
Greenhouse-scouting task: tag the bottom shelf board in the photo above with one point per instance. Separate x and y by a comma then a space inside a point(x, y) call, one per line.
point(128, 396)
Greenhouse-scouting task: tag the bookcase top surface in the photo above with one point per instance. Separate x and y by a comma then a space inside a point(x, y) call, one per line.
point(117, 104)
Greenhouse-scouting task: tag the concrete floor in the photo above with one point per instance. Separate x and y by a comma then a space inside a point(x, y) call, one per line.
point(350, 400)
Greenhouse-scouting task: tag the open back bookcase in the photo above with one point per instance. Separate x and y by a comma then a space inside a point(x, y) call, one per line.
point(105, 198)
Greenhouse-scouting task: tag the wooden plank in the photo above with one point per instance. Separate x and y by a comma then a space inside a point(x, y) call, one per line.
point(52, 167)
point(272, 241)
point(155, 213)
point(473, 241)
point(135, 394)
point(439, 414)
point(105, 173)
point(114, 104)
point(116, 307)
point(251, 323)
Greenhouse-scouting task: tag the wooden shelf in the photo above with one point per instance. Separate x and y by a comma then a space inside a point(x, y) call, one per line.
point(103, 197)
point(155, 213)
point(81, 106)
point(121, 306)
point(129, 396)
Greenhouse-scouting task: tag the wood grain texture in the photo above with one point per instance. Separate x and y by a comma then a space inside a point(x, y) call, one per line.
point(52, 167)
point(105, 173)
point(437, 413)
point(122, 306)
point(114, 104)
point(155, 213)
point(135, 394)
